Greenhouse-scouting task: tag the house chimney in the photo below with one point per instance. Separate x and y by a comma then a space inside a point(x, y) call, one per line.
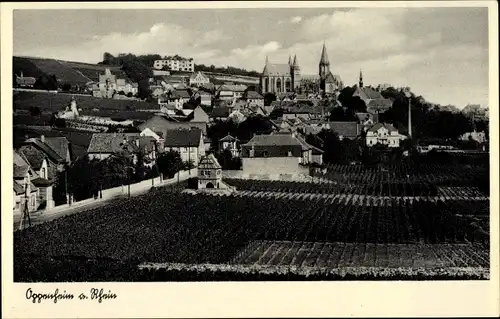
point(42, 138)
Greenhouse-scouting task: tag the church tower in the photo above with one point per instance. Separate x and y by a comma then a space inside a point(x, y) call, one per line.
point(295, 71)
point(324, 64)
point(324, 68)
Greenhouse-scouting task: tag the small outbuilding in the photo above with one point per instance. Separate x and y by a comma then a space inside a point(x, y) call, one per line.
point(209, 173)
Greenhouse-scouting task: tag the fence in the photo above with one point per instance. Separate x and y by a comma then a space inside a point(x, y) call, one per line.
point(239, 174)
point(135, 189)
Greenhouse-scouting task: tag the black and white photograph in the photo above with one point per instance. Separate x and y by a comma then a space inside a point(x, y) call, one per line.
point(209, 159)
point(264, 144)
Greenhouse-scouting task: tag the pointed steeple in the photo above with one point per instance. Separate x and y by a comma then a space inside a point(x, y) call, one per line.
point(360, 78)
point(295, 62)
point(267, 60)
point(324, 56)
point(289, 60)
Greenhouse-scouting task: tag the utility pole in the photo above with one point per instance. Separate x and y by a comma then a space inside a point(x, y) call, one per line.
point(66, 184)
point(26, 212)
point(408, 95)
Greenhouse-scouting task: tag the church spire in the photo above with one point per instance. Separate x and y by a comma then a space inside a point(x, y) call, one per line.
point(360, 78)
point(324, 57)
point(289, 60)
point(267, 60)
point(295, 62)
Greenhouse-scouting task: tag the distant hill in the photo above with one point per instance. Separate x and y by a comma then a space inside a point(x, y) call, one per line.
point(74, 73)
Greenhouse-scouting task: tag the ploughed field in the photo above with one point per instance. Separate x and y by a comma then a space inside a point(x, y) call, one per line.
point(165, 235)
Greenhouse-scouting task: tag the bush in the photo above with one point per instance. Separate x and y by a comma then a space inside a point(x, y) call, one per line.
point(192, 183)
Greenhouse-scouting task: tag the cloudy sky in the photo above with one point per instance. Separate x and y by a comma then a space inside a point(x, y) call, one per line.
point(441, 53)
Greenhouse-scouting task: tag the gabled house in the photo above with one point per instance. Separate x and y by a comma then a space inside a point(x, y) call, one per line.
point(104, 145)
point(24, 81)
point(25, 190)
point(198, 116)
point(230, 91)
point(374, 101)
point(189, 144)
point(198, 79)
point(47, 155)
point(275, 154)
point(230, 143)
point(160, 124)
point(254, 98)
point(383, 134)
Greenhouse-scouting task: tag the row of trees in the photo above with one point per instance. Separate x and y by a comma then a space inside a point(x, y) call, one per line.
point(227, 70)
point(116, 170)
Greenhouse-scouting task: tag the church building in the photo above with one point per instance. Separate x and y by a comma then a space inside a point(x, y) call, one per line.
point(278, 78)
point(329, 83)
point(283, 78)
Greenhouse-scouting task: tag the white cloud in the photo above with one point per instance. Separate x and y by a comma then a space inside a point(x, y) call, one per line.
point(377, 40)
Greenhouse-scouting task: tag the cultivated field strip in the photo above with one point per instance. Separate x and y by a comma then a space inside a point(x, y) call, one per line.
point(354, 199)
point(380, 190)
point(338, 254)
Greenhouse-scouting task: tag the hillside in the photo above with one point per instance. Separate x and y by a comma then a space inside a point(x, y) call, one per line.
point(74, 73)
point(37, 66)
point(51, 102)
point(92, 71)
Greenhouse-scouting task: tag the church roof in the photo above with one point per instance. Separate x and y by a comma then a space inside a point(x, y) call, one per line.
point(333, 78)
point(276, 69)
point(366, 93)
point(324, 56)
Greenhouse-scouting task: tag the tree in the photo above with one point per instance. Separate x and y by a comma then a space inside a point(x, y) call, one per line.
point(66, 87)
point(169, 163)
point(219, 130)
point(143, 92)
point(253, 125)
point(79, 183)
point(108, 59)
point(46, 82)
point(136, 71)
point(331, 146)
point(269, 98)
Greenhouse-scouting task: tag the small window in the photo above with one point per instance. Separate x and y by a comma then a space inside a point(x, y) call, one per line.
point(218, 172)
